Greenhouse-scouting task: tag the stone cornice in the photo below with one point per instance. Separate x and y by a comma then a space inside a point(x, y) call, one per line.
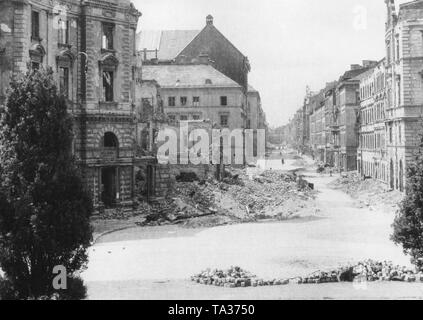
point(72, 6)
point(109, 5)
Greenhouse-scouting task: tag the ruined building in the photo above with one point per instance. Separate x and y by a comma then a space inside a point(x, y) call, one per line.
point(90, 44)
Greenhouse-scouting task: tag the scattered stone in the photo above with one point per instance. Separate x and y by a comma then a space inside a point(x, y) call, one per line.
point(366, 271)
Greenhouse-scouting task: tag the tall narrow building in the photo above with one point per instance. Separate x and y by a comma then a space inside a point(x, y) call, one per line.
point(404, 72)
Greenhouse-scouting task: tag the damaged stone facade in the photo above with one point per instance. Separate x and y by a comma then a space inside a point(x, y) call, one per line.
point(91, 47)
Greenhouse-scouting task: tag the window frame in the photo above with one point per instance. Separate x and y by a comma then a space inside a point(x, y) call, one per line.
point(63, 33)
point(171, 101)
point(108, 36)
point(224, 101)
point(66, 82)
point(106, 97)
point(35, 27)
point(183, 100)
point(222, 116)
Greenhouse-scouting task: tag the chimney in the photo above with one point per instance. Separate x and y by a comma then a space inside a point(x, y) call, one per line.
point(355, 67)
point(209, 20)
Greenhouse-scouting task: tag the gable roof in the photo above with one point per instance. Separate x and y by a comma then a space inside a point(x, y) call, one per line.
point(168, 43)
point(187, 76)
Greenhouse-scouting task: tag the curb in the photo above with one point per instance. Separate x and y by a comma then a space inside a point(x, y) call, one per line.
point(98, 236)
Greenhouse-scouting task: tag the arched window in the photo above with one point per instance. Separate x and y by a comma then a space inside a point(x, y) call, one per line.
point(110, 140)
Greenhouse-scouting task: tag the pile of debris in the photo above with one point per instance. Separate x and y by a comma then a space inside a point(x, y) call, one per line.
point(269, 193)
point(189, 200)
point(368, 192)
point(238, 198)
point(366, 271)
point(197, 194)
point(235, 277)
point(384, 271)
point(232, 278)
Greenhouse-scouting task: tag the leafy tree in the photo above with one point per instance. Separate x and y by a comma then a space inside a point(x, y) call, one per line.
point(408, 224)
point(44, 208)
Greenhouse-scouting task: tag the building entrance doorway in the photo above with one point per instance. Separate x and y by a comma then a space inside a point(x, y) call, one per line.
point(109, 189)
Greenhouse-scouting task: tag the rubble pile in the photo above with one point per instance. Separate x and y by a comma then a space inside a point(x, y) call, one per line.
point(384, 271)
point(189, 200)
point(369, 192)
point(232, 278)
point(269, 192)
point(238, 198)
point(198, 194)
point(366, 271)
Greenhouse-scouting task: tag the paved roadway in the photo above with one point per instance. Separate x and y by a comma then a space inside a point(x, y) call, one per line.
point(155, 263)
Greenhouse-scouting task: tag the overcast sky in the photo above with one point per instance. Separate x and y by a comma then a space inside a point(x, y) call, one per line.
point(290, 44)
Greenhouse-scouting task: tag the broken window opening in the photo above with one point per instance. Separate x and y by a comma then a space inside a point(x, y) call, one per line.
point(108, 86)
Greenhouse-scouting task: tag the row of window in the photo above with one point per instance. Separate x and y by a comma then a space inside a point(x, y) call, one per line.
point(183, 101)
point(108, 79)
point(224, 118)
point(373, 114)
point(63, 31)
point(184, 117)
point(372, 141)
point(392, 173)
point(62, 28)
point(375, 170)
point(108, 30)
point(371, 88)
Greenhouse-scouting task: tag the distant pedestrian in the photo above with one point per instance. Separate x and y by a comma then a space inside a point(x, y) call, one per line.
point(283, 161)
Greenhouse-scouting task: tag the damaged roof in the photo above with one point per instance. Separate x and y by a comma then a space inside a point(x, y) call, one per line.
point(168, 43)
